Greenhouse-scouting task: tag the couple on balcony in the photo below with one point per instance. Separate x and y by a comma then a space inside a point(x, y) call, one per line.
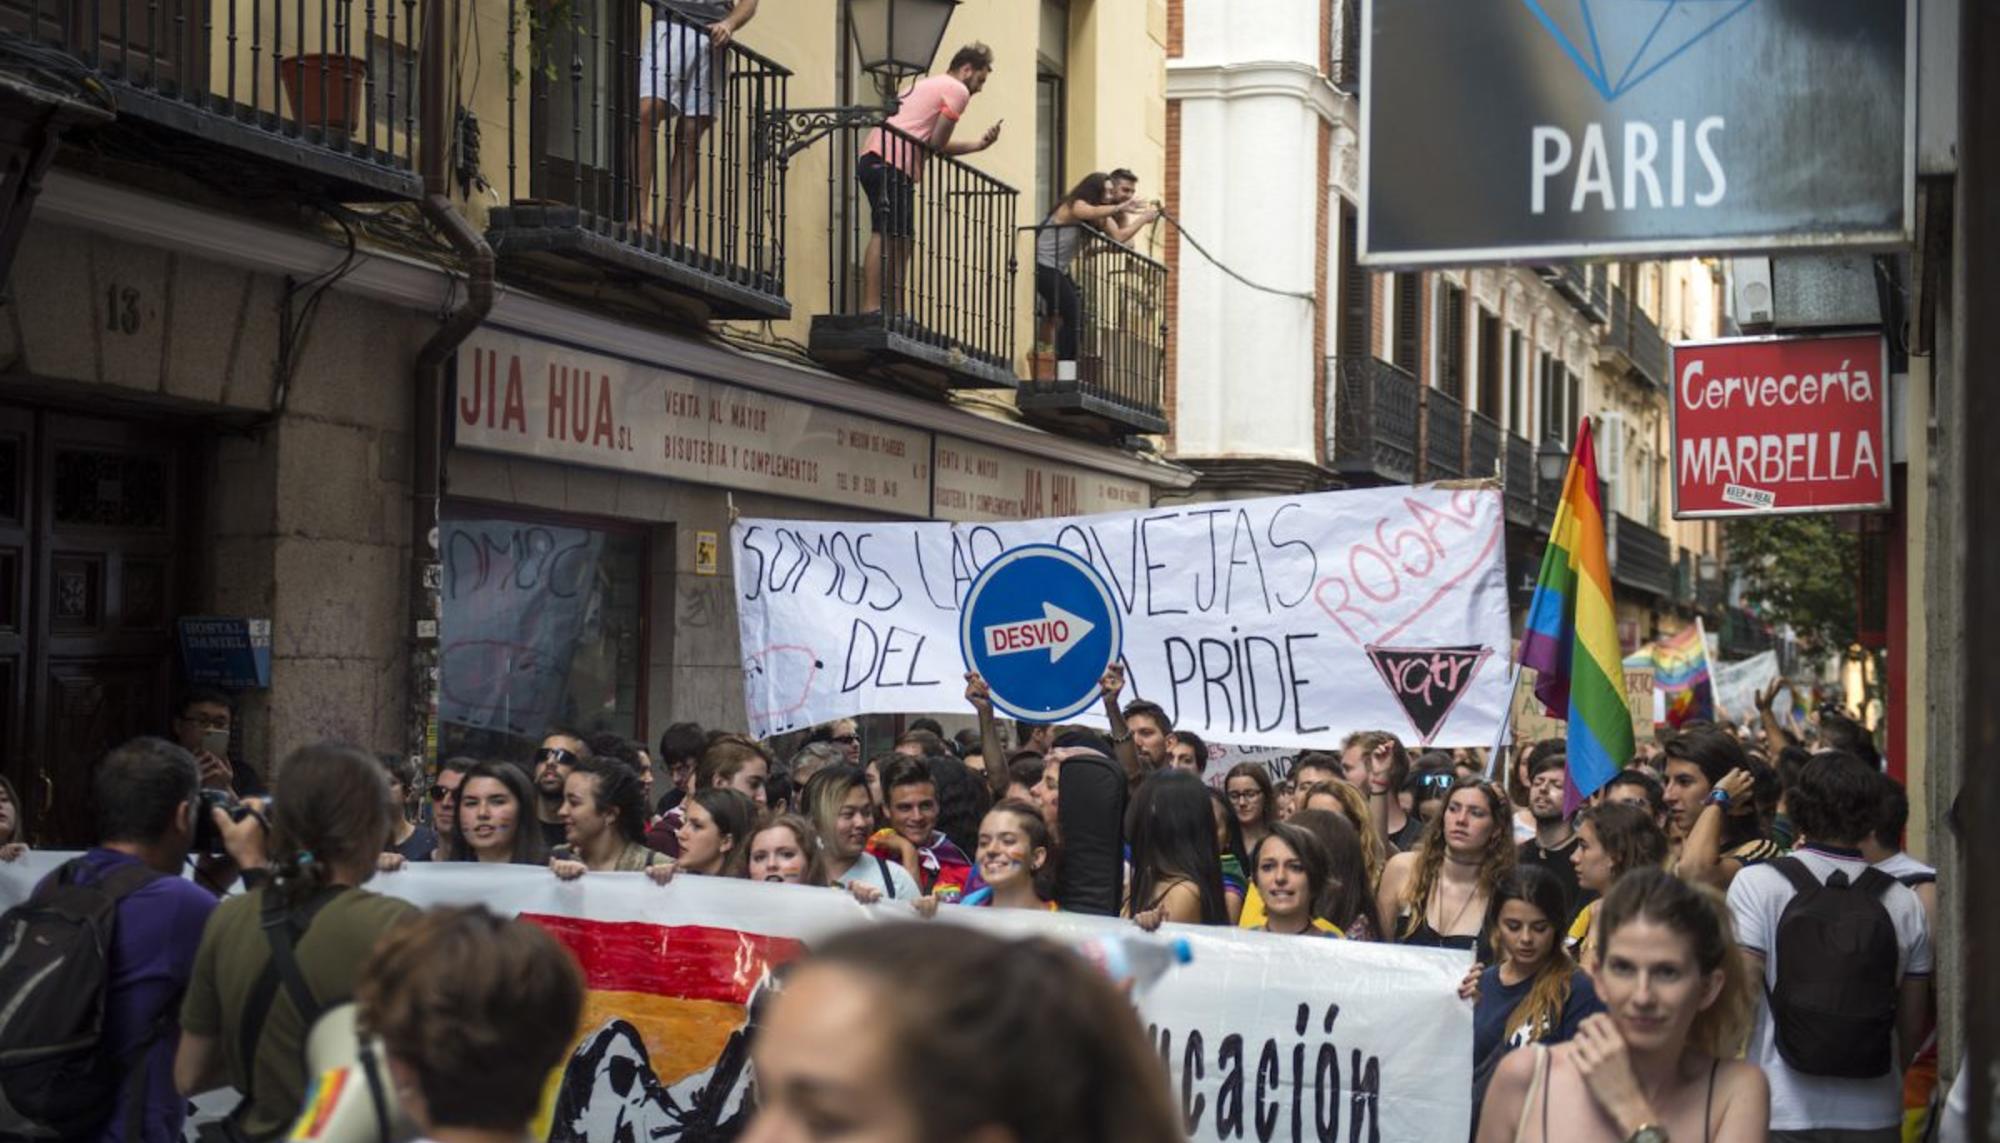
point(1103, 203)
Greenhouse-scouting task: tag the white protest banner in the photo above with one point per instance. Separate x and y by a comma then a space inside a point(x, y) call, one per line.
point(1287, 621)
point(1267, 1037)
point(1738, 684)
point(1225, 756)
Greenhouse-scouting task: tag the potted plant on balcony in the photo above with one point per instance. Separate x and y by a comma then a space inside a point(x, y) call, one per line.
point(324, 88)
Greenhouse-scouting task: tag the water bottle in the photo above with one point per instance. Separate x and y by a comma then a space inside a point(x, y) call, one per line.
point(1138, 960)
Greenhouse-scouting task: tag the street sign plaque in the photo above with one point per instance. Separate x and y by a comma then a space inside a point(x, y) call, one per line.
point(1537, 130)
point(1040, 625)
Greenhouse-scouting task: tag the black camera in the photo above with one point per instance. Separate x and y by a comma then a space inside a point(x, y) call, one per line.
point(208, 839)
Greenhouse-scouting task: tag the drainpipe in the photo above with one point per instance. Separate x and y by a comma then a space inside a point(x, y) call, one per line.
point(427, 423)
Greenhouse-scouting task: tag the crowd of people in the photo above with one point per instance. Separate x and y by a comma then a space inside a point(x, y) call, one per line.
point(1659, 949)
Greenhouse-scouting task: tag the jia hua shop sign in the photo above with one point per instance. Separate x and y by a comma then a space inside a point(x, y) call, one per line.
point(1776, 425)
point(527, 397)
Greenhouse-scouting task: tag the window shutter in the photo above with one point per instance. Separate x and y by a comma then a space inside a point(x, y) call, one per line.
point(1409, 344)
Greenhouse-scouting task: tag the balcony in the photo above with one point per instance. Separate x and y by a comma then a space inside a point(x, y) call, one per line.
point(1375, 413)
point(930, 304)
point(1482, 446)
point(1641, 558)
point(1444, 435)
point(248, 98)
point(1635, 341)
point(1583, 286)
point(1518, 483)
point(611, 190)
point(1102, 346)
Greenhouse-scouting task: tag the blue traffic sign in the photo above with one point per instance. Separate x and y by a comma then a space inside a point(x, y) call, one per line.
point(1041, 626)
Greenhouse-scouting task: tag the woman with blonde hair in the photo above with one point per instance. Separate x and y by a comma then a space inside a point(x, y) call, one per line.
point(1659, 1063)
point(1438, 895)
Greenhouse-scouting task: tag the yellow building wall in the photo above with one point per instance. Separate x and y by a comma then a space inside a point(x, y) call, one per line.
point(1116, 117)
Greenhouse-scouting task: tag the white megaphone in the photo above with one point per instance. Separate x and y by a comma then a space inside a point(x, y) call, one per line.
point(352, 1098)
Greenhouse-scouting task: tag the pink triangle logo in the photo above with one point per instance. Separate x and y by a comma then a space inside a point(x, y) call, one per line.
point(1428, 681)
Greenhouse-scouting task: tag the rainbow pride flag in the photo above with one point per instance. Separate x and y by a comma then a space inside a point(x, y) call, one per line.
point(1571, 636)
point(1680, 671)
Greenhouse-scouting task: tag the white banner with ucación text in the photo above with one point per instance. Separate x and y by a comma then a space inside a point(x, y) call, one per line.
point(1267, 1037)
point(1287, 621)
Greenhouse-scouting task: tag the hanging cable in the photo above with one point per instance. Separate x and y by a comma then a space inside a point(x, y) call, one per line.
point(1309, 299)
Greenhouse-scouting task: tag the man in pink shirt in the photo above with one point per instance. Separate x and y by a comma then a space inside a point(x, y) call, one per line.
point(892, 161)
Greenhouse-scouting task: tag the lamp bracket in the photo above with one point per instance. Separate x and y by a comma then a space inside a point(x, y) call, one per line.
point(789, 131)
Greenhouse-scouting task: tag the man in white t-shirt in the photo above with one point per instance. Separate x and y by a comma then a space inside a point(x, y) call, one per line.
point(1835, 804)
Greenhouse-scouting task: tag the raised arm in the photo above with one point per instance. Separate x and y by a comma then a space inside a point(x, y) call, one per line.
point(981, 697)
point(1701, 852)
point(1113, 684)
point(1379, 792)
point(1774, 730)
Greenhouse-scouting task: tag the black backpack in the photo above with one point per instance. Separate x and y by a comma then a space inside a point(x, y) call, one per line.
point(1833, 1008)
point(56, 1079)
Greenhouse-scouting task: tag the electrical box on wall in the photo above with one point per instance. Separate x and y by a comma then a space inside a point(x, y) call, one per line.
point(1752, 277)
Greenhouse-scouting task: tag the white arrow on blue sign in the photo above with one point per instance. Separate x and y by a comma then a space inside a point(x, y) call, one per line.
point(1041, 626)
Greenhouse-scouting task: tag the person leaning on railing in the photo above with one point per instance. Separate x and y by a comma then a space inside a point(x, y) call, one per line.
point(682, 77)
point(892, 162)
point(1057, 241)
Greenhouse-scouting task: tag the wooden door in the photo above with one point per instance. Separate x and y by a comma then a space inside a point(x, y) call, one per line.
point(17, 490)
point(102, 646)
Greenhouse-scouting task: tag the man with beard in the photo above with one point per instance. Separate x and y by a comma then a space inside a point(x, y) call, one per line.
point(561, 750)
point(1555, 838)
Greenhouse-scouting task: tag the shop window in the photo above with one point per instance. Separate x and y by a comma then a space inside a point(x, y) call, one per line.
point(543, 625)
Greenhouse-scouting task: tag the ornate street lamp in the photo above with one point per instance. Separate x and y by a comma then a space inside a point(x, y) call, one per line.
point(896, 39)
point(1551, 460)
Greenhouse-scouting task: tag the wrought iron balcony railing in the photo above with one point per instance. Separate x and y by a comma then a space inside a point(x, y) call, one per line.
point(1583, 286)
point(248, 95)
point(1636, 340)
point(1374, 417)
point(1444, 435)
point(1519, 481)
point(1101, 349)
point(1640, 557)
point(1482, 446)
point(921, 264)
point(636, 148)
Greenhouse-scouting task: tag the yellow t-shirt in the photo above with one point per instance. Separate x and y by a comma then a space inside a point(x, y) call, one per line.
point(1252, 916)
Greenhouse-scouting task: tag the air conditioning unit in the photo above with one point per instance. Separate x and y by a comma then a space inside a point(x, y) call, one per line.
point(1754, 302)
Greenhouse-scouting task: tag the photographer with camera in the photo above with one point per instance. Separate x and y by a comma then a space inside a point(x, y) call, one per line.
point(276, 957)
point(112, 984)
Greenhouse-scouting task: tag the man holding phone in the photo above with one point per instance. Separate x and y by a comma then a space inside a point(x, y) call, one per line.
point(201, 725)
point(892, 163)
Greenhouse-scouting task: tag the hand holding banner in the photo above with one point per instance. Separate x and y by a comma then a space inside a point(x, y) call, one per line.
point(1266, 1036)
